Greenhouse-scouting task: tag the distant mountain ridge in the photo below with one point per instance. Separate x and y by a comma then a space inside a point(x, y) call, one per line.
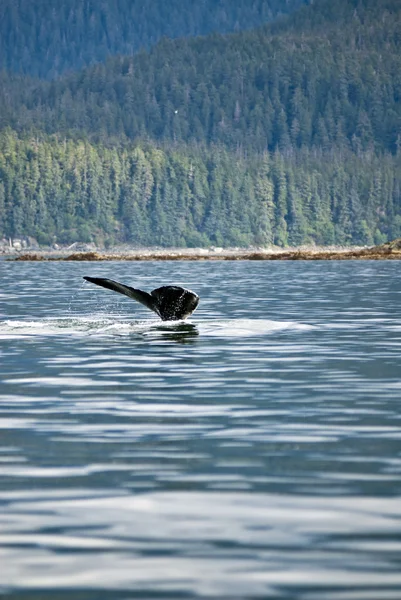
point(277, 87)
point(44, 38)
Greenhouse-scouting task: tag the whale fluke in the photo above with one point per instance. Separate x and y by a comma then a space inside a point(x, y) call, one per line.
point(170, 302)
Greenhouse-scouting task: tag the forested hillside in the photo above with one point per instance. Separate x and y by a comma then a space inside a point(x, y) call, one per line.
point(334, 83)
point(44, 38)
point(286, 134)
point(64, 191)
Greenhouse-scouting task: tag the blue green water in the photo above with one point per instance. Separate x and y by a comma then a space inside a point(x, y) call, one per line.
point(253, 451)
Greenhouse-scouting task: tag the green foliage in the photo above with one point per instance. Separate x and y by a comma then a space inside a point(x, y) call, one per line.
point(66, 191)
point(309, 82)
point(286, 134)
point(46, 37)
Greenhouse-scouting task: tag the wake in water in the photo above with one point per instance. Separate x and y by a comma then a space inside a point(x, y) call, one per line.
point(249, 327)
point(95, 325)
point(98, 325)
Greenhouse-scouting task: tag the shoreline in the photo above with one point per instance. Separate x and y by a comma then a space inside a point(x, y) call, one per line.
point(390, 251)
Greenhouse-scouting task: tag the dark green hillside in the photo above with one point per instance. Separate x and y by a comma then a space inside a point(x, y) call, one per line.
point(287, 87)
point(47, 37)
point(326, 14)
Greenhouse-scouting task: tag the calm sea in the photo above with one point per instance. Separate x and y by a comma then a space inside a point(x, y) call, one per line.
point(252, 452)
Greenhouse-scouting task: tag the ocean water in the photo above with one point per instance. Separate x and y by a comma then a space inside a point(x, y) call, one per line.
point(253, 451)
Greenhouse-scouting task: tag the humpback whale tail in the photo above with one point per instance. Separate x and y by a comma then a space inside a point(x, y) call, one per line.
point(170, 302)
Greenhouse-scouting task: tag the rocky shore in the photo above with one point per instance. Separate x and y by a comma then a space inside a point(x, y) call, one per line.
point(389, 251)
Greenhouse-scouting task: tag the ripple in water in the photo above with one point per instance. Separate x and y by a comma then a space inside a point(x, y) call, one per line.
point(99, 325)
point(251, 452)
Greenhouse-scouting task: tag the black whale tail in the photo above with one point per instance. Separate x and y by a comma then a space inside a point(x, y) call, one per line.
point(170, 302)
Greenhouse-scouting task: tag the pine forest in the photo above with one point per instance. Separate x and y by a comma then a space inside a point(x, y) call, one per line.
point(285, 133)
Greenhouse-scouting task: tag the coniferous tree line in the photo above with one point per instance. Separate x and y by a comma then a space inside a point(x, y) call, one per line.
point(63, 190)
